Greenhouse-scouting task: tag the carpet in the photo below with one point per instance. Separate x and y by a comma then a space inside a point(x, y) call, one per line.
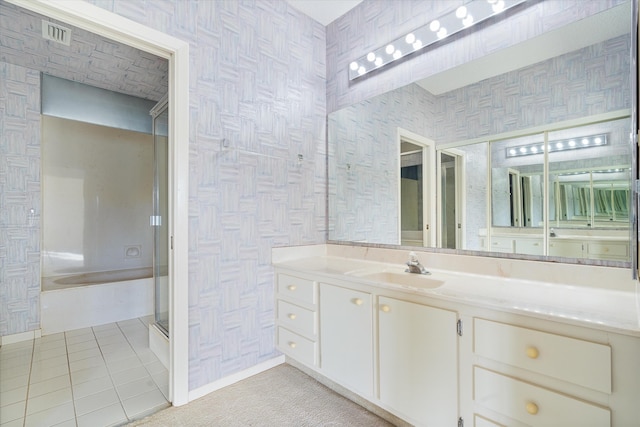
point(281, 396)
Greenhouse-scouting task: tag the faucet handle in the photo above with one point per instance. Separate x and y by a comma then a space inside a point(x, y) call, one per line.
point(413, 258)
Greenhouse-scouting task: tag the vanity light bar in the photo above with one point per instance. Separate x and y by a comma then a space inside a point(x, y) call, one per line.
point(463, 17)
point(616, 170)
point(559, 145)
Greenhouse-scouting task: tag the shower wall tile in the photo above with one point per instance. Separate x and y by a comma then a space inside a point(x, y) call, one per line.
point(19, 199)
point(257, 81)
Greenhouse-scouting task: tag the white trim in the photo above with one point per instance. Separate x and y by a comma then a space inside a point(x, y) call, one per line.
point(238, 376)
point(428, 191)
point(24, 336)
point(107, 24)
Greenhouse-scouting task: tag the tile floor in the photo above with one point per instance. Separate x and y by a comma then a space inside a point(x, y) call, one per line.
point(100, 376)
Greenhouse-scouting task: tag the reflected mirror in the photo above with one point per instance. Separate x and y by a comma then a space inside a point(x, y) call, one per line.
point(497, 180)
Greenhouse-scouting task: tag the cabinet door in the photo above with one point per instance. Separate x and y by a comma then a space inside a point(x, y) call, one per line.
point(346, 337)
point(418, 349)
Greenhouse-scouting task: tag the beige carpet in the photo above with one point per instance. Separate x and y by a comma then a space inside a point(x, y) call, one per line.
point(282, 396)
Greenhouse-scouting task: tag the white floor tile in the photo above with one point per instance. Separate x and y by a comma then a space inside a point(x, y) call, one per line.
point(49, 353)
point(47, 386)
point(16, 371)
point(84, 354)
point(15, 423)
point(81, 346)
point(109, 416)
point(48, 401)
point(112, 339)
point(105, 327)
point(50, 338)
point(96, 401)
point(77, 339)
point(75, 332)
point(48, 345)
point(50, 362)
point(156, 367)
point(89, 374)
point(147, 356)
point(7, 384)
point(144, 403)
point(90, 362)
point(118, 354)
point(129, 375)
point(68, 423)
point(39, 374)
point(119, 365)
point(13, 396)
point(92, 387)
point(12, 412)
point(135, 388)
point(51, 417)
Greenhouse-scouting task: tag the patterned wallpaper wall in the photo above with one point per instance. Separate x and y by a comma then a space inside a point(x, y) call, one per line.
point(19, 193)
point(257, 79)
point(363, 168)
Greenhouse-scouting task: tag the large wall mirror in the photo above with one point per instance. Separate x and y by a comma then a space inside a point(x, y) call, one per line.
point(532, 159)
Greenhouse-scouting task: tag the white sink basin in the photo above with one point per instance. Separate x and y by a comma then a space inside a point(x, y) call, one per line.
point(403, 279)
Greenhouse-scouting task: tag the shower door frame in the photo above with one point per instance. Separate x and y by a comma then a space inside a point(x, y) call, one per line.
point(115, 27)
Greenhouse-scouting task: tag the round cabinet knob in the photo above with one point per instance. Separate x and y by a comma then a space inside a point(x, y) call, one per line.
point(532, 353)
point(292, 316)
point(531, 408)
point(357, 301)
point(385, 308)
point(292, 344)
point(292, 287)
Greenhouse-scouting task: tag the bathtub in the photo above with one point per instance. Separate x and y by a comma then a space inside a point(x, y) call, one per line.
point(90, 299)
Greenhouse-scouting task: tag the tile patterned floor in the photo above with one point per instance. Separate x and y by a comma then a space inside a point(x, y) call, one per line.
point(94, 377)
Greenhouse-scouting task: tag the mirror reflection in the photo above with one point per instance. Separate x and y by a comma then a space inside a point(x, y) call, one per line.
point(426, 166)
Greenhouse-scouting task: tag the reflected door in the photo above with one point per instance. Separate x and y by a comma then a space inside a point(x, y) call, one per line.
point(160, 215)
point(450, 166)
point(416, 214)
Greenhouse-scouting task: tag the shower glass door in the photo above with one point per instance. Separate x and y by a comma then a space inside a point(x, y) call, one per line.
point(160, 217)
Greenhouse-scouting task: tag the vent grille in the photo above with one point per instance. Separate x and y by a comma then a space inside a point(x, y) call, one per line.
point(56, 33)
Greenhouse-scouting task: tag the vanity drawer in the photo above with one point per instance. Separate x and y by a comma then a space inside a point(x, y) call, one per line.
point(479, 421)
point(297, 318)
point(298, 289)
point(579, 362)
point(532, 405)
point(609, 250)
point(502, 244)
point(297, 347)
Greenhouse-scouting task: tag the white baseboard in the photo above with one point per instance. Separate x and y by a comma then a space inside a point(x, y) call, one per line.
point(232, 379)
point(159, 344)
point(24, 336)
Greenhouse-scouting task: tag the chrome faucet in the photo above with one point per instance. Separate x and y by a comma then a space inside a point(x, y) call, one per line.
point(414, 265)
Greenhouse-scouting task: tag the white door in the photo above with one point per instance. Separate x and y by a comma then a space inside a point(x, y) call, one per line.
point(416, 190)
point(451, 219)
point(418, 351)
point(346, 337)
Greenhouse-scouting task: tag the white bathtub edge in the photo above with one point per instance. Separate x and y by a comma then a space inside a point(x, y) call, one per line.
point(159, 344)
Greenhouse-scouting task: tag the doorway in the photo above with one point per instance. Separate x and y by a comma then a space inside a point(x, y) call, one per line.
point(451, 196)
point(102, 22)
point(416, 190)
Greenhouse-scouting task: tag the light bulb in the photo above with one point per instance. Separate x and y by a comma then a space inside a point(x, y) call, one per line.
point(353, 66)
point(389, 49)
point(435, 25)
point(461, 12)
point(410, 38)
point(467, 21)
point(559, 145)
point(598, 140)
point(362, 70)
point(534, 149)
point(371, 57)
point(585, 141)
point(378, 61)
point(442, 33)
point(572, 143)
point(417, 45)
point(523, 150)
point(512, 152)
point(498, 6)
point(397, 54)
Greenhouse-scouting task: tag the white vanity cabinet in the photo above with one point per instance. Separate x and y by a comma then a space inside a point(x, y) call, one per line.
point(418, 367)
point(541, 378)
point(297, 318)
point(346, 337)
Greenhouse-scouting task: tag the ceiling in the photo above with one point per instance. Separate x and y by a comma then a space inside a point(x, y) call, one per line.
point(324, 11)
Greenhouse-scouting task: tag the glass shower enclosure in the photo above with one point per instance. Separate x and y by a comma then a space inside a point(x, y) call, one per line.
point(159, 219)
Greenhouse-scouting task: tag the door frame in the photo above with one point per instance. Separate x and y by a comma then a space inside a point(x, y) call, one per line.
point(429, 187)
point(88, 17)
point(460, 197)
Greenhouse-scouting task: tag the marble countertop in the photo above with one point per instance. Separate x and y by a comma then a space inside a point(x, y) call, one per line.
point(608, 309)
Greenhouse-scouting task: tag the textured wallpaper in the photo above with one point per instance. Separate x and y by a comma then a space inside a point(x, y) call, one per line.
point(257, 79)
point(19, 199)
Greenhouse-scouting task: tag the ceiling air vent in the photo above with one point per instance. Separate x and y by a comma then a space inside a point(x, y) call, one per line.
point(55, 32)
